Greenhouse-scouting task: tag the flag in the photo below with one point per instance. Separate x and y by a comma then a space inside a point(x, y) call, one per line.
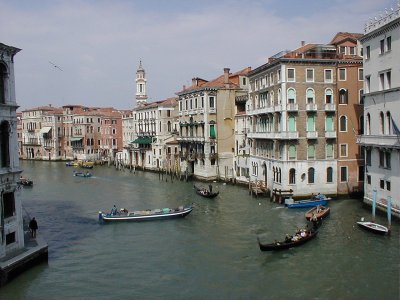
point(396, 129)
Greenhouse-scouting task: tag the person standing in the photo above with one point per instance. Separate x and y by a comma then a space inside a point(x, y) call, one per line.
point(33, 226)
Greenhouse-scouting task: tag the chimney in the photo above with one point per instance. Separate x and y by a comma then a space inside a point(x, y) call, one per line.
point(194, 81)
point(226, 77)
point(303, 43)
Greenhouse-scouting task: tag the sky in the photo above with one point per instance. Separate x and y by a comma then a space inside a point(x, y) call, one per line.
point(97, 44)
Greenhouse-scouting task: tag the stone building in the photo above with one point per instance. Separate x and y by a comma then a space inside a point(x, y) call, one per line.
point(381, 131)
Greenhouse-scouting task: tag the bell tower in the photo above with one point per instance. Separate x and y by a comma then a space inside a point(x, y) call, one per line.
point(141, 96)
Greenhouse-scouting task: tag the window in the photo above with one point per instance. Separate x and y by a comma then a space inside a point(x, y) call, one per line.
point(328, 76)
point(291, 96)
point(291, 123)
point(343, 96)
point(328, 96)
point(368, 157)
point(212, 101)
point(3, 76)
point(329, 124)
point(381, 81)
point(382, 46)
point(9, 205)
point(343, 123)
point(310, 123)
point(212, 131)
point(352, 50)
point(291, 75)
point(389, 79)
point(342, 50)
point(382, 183)
point(292, 152)
point(381, 159)
point(369, 179)
point(310, 75)
point(4, 144)
point(342, 74)
point(389, 43)
point(310, 94)
point(387, 160)
point(367, 52)
point(10, 238)
point(343, 174)
point(368, 83)
point(343, 150)
point(329, 175)
point(311, 152)
point(388, 185)
point(361, 96)
point(329, 150)
point(292, 176)
point(311, 173)
point(361, 74)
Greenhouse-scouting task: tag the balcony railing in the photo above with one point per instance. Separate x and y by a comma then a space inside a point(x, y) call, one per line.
point(312, 134)
point(330, 107)
point(311, 107)
point(287, 135)
point(330, 134)
point(292, 107)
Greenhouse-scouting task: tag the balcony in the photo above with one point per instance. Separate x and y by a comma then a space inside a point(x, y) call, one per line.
point(330, 134)
point(330, 107)
point(312, 134)
point(261, 135)
point(292, 107)
point(311, 107)
point(379, 141)
point(287, 135)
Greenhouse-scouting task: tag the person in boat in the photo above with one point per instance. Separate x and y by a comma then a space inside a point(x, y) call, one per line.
point(288, 238)
point(114, 210)
point(314, 221)
point(210, 188)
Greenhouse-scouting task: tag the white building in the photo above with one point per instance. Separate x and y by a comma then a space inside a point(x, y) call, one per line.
point(381, 136)
point(11, 222)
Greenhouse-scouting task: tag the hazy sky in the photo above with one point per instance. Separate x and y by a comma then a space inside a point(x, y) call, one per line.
point(98, 44)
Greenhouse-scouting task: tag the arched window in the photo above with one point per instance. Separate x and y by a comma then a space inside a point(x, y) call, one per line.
point(280, 175)
point(273, 171)
point(328, 96)
point(329, 175)
point(368, 124)
point(3, 76)
point(4, 144)
point(311, 173)
point(382, 123)
point(291, 96)
point(389, 122)
point(279, 96)
point(343, 123)
point(310, 94)
point(343, 94)
point(292, 176)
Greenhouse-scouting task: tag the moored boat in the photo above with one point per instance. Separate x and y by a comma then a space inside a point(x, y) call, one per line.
point(374, 227)
point(146, 215)
point(319, 199)
point(319, 211)
point(300, 238)
point(25, 181)
point(205, 192)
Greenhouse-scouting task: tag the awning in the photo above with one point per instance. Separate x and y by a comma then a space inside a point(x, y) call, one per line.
point(143, 141)
point(45, 130)
point(75, 139)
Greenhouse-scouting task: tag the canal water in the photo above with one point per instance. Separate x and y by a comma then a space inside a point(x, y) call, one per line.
point(210, 254)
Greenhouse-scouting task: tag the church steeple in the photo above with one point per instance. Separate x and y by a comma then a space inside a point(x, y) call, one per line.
point(141, 96)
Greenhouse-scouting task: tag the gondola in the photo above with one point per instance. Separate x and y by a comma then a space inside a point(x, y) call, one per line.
point(205, 192)
point(82, 174)
point(319, 211)
point(146, 215)
point(286, 244)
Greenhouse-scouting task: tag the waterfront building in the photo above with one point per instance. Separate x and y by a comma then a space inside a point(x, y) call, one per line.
point(206, 125)
point(111, 133)
point(69, 141)
point(19, 133)
point(11, 220)
point(381, 134)
point(294, 106)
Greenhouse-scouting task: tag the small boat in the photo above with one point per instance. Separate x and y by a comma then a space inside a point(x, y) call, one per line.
point(25, 181)
point(69, 164)
point(87, 165)
point(289, 242)
point(319, 199)
point(319, 211)
point(374, 227)
point(82, 174)
point(205, 192)
point(146, 215)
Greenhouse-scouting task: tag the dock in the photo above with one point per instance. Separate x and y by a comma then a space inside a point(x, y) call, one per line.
point(35, 252)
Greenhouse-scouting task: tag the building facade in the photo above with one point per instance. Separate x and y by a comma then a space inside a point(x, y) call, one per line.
point(381, 134)
point(11, 219)
point(295, 103)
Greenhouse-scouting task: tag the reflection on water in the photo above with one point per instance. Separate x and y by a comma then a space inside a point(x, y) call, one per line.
point(210, 254)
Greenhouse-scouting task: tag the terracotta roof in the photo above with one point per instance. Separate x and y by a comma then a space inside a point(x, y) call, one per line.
point(42, 108)
point(342, 36)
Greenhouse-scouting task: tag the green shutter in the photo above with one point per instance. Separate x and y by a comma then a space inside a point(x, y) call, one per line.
point(329, 150)
point(311, 151)
point(310, 123)
point(212, 132)
point(292, 124)
point(329, 124)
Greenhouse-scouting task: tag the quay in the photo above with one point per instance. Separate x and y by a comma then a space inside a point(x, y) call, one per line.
point(35, 252)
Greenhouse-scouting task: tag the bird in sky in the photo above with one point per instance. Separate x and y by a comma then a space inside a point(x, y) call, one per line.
point(55, 66)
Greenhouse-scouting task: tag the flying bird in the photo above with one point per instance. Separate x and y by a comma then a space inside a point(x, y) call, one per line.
point(55, 66)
